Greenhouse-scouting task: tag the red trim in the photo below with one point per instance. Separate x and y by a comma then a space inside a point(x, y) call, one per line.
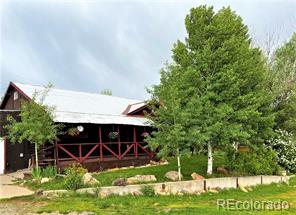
point(101, 144)
point(89, 153)
point(127, 150)
point(119, 156)
point(69, 153)
point(150, 154)
point(119, 145)
point(135, 142)
point(20, 91)
point(113, 153)
point(80, 153)
point(125, 112)
point(137, 110)
point(11, 84)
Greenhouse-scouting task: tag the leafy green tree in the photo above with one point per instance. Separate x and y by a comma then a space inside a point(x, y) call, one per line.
point(36, 123)
point(106, 92)
point(220, 83)
point(283, 85)
point(168, 119)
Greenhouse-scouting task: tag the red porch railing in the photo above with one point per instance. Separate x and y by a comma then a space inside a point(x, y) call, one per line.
point(78, 152)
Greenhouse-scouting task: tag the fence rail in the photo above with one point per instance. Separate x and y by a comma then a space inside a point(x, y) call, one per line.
point(78, 151)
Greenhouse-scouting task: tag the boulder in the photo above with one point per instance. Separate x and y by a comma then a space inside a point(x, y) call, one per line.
point(222, 170)
point(196, 176)
point(90, 190)
point(172, 175)
point(88, 179)
point(154, 162)
point(39, 191)
point(213, 191)
point(105, 193)
point(54, 193)
point(141, 178)
point(119, 182)
point(160, 162)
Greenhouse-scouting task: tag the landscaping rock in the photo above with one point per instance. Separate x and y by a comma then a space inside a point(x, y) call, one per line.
point(44, 180)
point(249, 189)
point(222, 170)
point(137, 193)
point(213, 191)
point(119, 182)
point(172, 175)
point(91, 191)
point(89, 180)
point(161, 162)
point(54, 193)
point(242, 188)
point(39, 191)
point(105, 193)
point(196, 176)
point(141, 178)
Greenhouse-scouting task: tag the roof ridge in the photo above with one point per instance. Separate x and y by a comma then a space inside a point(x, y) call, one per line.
point(83, 92)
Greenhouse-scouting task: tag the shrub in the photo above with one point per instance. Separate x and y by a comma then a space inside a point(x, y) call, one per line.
point(74, 174)
point(147, 190)
point(285, 146)
point(255, 162)
point(49, 172)
point(36, 173)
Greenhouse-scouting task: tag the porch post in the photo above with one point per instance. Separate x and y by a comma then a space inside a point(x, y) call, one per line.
point(119, 144)
point(80, 154)
point(101, 144)
point(56, 152)
point(135, 142)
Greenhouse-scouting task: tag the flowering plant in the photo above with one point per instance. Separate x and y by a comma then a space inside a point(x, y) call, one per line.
point(145, 134)
point(113, 135)
point(285, 147)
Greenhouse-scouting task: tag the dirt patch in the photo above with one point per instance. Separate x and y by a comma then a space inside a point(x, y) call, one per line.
point(20, 207)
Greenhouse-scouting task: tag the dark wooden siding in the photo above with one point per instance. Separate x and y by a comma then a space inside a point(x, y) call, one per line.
point(9, 103)
point(14, 160)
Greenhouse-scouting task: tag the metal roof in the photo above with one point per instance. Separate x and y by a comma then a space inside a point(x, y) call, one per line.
point(81, 107)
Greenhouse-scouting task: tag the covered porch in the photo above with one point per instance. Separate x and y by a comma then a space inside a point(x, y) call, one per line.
point(100, 147)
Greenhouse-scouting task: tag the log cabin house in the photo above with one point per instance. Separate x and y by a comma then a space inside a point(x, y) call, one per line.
point(110, 130)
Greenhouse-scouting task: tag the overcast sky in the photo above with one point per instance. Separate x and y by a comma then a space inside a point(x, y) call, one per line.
point(120, 45)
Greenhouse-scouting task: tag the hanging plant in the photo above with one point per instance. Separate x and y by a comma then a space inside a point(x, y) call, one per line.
point(145, 134)
point(113, 135)
point(73, 132)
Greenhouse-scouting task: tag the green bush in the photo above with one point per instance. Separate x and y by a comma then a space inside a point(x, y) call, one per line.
point(74, 174)
point(36, 173)
point(49, 172)
point(262, 161)
point(147, 190)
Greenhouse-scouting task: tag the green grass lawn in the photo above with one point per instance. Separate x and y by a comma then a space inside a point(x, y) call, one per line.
point(188, 204)
point(192, 164)
point(189, 165)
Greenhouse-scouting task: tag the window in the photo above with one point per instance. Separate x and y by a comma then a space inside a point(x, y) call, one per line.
point(15, 95)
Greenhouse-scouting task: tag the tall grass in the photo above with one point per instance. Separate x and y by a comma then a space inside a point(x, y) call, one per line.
point(49, 172)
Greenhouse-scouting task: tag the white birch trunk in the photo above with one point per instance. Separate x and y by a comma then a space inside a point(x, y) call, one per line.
point(179, 167)
point(36, 156)
point(210, 160)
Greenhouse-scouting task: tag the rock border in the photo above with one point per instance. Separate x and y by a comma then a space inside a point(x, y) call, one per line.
point(179, 187)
